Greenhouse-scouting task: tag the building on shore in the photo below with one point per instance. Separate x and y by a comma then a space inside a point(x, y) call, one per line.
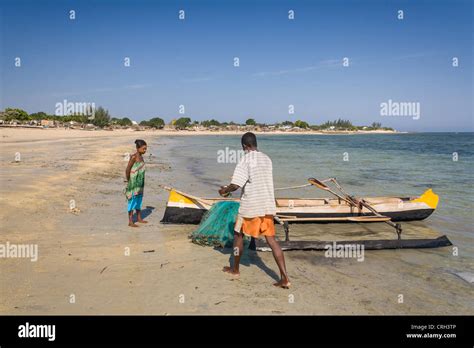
point(47, 123)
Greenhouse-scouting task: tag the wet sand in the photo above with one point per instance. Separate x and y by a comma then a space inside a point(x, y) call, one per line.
point(110, 268)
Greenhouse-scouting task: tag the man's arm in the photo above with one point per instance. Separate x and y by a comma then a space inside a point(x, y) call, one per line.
point(239, 179)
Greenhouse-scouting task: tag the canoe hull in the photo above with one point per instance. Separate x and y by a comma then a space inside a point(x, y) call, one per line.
point(177, 215)
point(183, 208)
point(193, 216)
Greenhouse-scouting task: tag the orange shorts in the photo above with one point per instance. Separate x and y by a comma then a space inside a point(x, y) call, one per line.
point(256, 227)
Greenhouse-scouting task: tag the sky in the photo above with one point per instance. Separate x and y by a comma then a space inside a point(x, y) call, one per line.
point(283, 62)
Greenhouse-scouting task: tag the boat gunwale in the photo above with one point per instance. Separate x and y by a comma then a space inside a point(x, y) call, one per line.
point(403, 199)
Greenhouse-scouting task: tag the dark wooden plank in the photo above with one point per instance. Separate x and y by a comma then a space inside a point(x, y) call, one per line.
point(368, 244)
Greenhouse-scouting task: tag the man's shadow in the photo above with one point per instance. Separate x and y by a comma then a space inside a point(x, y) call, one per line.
point(250, 256)
point(147, 211)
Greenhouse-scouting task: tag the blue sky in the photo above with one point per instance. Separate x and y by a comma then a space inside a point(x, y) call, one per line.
point(282, 62)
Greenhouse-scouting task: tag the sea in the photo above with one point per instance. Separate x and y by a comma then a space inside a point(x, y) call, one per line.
point(404, 164)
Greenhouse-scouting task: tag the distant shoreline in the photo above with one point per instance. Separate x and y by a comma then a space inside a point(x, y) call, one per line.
point(193, 132)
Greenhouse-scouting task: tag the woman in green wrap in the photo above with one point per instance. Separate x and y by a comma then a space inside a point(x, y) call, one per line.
point(135, 173)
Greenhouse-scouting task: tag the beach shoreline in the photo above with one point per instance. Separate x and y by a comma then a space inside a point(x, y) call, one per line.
point(36, 133)
point(91, 262)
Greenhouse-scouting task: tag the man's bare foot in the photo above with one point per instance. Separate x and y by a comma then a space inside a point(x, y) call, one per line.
point(230, 271)
point(285, 284)
point(131, 224)
point(142, 221)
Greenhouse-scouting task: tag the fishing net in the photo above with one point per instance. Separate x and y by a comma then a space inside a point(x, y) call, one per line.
point(217, 225)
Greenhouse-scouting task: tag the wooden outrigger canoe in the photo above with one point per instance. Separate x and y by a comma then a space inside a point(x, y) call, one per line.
point(184, 208)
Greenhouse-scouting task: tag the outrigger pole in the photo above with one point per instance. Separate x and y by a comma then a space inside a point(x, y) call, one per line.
point(357, 203)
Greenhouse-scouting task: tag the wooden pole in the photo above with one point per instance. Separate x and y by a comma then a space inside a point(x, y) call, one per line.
point(354, 202)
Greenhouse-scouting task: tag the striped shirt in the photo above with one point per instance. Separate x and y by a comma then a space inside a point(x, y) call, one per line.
point(254, 174)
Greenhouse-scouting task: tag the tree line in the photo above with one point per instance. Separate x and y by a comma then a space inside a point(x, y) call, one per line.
point(102, 118)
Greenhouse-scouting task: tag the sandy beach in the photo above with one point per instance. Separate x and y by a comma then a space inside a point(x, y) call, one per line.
point(36, 132)
point(91, 262)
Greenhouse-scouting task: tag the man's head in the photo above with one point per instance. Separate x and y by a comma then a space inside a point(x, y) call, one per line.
point(249, 141)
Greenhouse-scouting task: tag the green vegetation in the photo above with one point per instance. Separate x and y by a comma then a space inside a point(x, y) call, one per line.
point(38, 116)
point(102, 119)
point(124, 122)
point(339, 124)
point(182, 123)
point(301, 124)
point(209, 123)
point(154, 122)
point(16, 114)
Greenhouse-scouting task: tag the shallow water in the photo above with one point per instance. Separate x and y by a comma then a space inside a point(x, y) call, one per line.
point(365, 165)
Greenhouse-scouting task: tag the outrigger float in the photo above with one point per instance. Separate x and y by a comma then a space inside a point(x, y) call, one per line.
point(184, 208)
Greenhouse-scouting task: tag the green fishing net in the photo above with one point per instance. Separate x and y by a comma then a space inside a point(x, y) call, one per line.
point(217, 225)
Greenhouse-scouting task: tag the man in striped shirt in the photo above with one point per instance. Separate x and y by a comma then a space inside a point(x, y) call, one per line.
point(254, 175)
